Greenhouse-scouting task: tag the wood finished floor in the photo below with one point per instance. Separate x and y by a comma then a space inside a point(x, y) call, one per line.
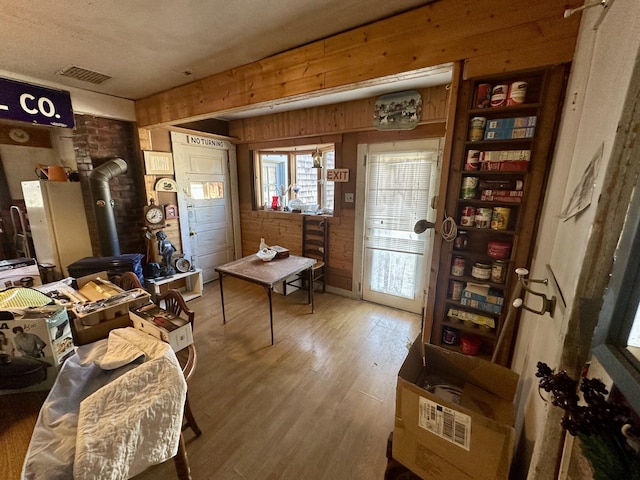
point(317, 405)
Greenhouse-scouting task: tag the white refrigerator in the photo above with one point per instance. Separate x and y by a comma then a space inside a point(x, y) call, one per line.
point(58, 223)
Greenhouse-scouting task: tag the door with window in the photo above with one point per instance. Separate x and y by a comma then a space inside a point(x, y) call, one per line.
point(401, 181)
point(204, 201)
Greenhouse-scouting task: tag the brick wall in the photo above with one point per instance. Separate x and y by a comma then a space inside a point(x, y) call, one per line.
point(97, 140)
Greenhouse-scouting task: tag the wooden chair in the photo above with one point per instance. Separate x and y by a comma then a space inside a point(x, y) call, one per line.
point(315, 241)
point(127, 281)
point(174, 303)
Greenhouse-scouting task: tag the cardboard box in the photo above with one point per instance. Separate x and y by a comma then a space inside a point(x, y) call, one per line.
point(438, 438)
point(36, 342)
point(14, 270)
point(92, 313)
point(163, 325)
point(83, 334)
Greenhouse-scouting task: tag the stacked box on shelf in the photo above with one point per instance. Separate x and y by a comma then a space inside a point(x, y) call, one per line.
point(509, 133)
point(464, 316)
point(511, 160)
point(482, 297)
point(509, 196)
point(510, 128)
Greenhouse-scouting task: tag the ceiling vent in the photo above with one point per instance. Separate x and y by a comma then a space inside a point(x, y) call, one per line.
point(83, 75)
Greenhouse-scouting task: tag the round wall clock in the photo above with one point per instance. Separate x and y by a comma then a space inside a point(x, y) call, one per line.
point(153, 215)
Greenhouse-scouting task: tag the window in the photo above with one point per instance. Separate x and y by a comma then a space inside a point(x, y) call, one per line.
point(293, 170)
point(615, 343)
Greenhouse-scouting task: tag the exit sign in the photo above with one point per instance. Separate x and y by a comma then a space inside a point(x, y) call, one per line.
point(338, 175)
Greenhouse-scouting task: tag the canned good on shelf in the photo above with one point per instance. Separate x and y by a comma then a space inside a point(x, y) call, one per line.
point(483, 217)
point(468, 217)
point(476, 128)
point(460, 241)
point(517, 93)
point(481, 271)
point(499, 95)
point(469, 188)
point(457, 267)
point(455, 289)
point(500, 218)
point(499, 271)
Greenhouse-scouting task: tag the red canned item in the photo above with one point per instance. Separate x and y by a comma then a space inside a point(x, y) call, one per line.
point(473, 160)
point(498, 250)
point(468, 218)
point(483, 95)
point(499, 95)
point(517, 93)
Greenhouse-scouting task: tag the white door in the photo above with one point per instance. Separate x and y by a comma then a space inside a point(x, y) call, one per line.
point(401, 180)
point(205, 194)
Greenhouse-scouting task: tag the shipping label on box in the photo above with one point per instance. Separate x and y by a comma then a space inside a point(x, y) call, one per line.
point(34, 342)
point(163, 325)
point(447, 423)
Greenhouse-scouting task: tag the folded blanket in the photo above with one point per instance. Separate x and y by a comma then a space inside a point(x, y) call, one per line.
point(105, 421)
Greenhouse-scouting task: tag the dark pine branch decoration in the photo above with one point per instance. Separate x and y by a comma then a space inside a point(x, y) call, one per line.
point(596, 421)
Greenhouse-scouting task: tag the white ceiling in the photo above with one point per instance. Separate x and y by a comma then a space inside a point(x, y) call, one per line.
point(148, 46)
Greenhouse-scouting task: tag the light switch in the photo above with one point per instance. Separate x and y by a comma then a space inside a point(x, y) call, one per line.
point(348, 197)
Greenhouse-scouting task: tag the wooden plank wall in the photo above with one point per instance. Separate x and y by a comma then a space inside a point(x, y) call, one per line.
point(352, 116)
point(489, 36)
point(353, 120)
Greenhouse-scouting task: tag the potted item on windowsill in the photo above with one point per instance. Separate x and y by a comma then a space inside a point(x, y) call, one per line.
point(608, 431)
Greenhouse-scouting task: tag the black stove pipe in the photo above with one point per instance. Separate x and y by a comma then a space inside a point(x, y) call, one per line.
point(103, 204)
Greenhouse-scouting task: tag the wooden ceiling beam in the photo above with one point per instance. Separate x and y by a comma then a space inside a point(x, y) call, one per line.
point(490, 36)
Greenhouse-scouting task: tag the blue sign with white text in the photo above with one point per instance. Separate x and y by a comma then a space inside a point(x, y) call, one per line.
point(35, 104)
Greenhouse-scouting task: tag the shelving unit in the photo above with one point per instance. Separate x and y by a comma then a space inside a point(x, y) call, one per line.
point(187, 283)
point(543, 98)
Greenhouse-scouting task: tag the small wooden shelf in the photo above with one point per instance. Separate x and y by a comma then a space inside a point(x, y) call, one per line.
point(187, 283)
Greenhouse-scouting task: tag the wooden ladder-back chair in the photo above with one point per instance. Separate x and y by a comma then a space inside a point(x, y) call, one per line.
point(315, 242)
point(174, 302)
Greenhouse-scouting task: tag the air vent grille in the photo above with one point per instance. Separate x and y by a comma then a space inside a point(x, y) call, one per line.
point(83, 74)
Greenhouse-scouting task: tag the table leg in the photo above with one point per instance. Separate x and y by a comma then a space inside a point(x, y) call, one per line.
point(224, 318)
point(311, 289)
point(269, 292)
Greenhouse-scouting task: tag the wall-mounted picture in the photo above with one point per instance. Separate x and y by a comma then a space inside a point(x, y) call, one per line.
point(398, 111)
point(158, 163)
point(166, 185)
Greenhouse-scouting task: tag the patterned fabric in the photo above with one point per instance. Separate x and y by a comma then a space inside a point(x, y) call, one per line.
point(20, 297)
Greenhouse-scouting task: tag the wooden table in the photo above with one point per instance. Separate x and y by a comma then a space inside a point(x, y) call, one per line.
point(267, 274)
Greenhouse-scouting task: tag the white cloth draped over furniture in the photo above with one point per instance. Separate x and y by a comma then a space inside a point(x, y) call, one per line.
point(115, 409)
